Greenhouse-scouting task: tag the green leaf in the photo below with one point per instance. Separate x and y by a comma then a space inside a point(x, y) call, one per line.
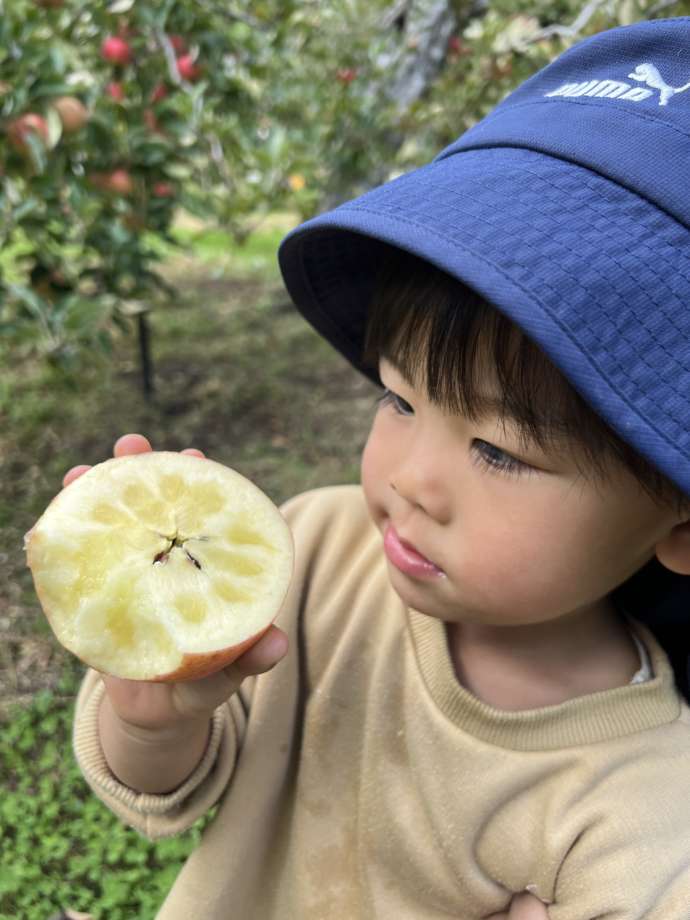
point(26, 208)
point(30, 299)
point(57, 57)
point(177, 170)
point(54, 128)
point(37, 151)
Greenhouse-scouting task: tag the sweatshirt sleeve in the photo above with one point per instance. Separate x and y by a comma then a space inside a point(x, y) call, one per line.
point(633, 861)
point(156, 816)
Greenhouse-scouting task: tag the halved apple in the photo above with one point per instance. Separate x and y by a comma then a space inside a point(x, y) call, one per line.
point(160, 566)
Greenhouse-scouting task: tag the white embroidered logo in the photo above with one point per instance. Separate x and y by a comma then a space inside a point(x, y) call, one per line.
point(616, 89)
point(647, 73)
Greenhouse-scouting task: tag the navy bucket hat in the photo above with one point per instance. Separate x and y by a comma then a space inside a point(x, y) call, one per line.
point(568, 208)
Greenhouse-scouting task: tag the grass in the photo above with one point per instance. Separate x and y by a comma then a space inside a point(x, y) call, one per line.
point(238, 374)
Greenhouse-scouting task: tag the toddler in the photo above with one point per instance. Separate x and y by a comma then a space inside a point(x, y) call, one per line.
point(480, 706)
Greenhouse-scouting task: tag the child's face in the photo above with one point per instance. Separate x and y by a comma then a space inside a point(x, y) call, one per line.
point(517, 541)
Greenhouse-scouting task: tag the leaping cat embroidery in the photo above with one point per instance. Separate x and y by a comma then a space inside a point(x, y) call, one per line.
point(647, 73)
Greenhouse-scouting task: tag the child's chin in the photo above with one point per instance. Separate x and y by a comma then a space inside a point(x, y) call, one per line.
point(418, 594)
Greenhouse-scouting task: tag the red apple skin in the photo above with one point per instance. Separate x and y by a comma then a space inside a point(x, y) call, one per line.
point(346, 75)
point(163, 190)
point(73, 113)
point(188, 69)
point(196, 665)
point(116, 91)
point(120, 182)
point(30, 123)
point(116, 50)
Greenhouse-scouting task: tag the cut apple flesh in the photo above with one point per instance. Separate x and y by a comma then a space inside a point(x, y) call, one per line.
point(160, 566)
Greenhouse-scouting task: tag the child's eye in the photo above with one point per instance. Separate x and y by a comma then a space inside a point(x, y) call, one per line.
point(399, 405)
point(488, 455)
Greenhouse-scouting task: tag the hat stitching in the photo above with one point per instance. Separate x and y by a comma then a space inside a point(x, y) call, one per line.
point(602, 374)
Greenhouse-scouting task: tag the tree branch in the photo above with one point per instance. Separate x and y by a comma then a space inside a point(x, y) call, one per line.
point(567, 31)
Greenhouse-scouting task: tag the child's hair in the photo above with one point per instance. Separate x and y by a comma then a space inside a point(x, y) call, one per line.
point(439, 331)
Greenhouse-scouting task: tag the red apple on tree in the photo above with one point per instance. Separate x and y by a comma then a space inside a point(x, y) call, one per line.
point(120, 182)
point(163, 190)
point(188, 69)
point(73, 113)
point(116, 91)
point(346, 75)
point(116, 50)
point(19, 130)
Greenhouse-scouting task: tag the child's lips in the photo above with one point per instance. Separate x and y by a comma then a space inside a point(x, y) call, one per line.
point(406, 558)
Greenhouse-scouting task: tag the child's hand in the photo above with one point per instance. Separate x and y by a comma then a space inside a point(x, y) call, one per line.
point(160, 706)
point(524, 906)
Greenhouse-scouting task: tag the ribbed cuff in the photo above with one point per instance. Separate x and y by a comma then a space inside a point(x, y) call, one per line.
point(91, 759)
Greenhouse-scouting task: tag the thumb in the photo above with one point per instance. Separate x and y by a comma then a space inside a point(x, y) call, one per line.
point(262, 656)
point(198, 696)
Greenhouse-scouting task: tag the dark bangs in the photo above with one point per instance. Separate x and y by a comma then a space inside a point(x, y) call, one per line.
point(441, 334)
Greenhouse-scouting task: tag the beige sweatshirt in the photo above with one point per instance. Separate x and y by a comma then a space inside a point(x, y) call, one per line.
point(359, 780)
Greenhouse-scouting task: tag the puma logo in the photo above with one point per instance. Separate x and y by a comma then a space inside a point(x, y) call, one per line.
point(647, 73)
point(617, 89)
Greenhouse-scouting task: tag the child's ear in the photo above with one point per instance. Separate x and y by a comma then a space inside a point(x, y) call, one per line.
point(673, 552)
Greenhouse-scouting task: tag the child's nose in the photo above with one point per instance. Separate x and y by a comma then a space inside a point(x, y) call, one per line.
point(421, 484)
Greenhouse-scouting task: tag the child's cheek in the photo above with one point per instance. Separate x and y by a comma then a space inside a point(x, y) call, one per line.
point(373, 476)
point(506, 566)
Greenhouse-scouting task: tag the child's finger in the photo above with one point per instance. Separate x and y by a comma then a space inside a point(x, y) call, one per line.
point(127, 444)
point(526, 906)
point(194, 698)
point(131, 444)
point(193, 452)
point(74, 473)
point(262, 656)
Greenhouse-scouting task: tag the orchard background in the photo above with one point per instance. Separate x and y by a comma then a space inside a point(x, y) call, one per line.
point(152, 156)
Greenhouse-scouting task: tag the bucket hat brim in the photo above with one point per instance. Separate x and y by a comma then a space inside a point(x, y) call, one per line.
point(594, 273)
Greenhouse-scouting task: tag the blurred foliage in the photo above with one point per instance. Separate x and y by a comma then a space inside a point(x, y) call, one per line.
point(60, 846)
point(228, 111)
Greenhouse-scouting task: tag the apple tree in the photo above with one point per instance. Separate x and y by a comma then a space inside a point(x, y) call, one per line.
point(112, 116)
point(108, 122)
